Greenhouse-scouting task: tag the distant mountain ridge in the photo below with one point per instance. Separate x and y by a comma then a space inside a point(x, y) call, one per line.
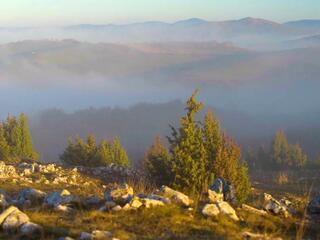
point(254, 33)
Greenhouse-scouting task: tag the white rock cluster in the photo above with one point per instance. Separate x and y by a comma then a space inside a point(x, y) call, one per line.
point(12, 220)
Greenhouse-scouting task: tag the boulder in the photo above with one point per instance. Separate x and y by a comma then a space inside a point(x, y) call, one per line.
point(134, 204)
point(101, 235)
point(149, 203)
point(274, 206)
point(314, 205)
point(222, 186)
point(14, 220)
point(31, 195)
point(63, 197)
point(6, 213)
point(64, 209)
point(257, 236)
point(7, 171)
point(96, 235)
point(221, 207)
point(92, 202)
point(159, 198)
point(85, 236)
point(253, 210)
point(116, 208)
point(178, 197)
point(120, 195)
point(31, 230)
point(213, 196)
point(28, 168)
point(210, 210)
point(3, 200)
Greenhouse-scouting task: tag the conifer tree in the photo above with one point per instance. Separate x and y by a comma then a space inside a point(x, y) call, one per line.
point(103, 155)
point(188, 150)
point(157, 163)
point(298, 158)
point(286, 155)
point(88, 154)
point(242, 183)
point(227, 162)
point(212, 142)
point(118, 153)
point(90, 150)
point(26, 149)
point(280, 149)
point(198, 151)
point(4, 147)
point(67, 157)
point(18, 137)
point(13, 135)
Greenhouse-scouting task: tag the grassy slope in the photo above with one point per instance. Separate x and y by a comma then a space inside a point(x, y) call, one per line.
point(167, 222)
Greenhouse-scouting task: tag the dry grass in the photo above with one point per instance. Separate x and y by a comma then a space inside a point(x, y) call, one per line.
point(157, 223)
point(168, 222)
point(282, 178)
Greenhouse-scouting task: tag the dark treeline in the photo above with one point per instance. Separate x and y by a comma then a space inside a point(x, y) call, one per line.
point(16, 141)
point(280, 154)
point(137, 126)
point(89, 153)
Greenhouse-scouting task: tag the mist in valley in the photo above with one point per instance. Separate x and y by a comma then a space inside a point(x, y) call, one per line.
point(135, 88)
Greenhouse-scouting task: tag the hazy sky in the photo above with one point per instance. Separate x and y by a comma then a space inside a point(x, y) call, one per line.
point(65, 12)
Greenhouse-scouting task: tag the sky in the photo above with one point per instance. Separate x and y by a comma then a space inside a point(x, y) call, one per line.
point(18, 13)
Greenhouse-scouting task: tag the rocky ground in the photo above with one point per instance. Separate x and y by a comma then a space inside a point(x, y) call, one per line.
point(51, 202)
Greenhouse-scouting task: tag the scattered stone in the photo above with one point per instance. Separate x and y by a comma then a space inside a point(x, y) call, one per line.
point(214, 196)
point(63, 197)
point(253, 210)
point(159, 198)
point(220, 208)
point(96, 235)
point(6, 213)
point(134, 204)
point(14, 220)
point(92, 202)
point(64, 209)
point(85, 236)
point(101, 235)
point(30, 229)
point(120, 195)
point(149, 203)
point(116, 208)
point(256, 236)
point(221, 186)
point(50, 168)
point(274, 206)
point(33, 196)
point(176, 196)
point(210, 210)
point(3, 200)
point(7, 171)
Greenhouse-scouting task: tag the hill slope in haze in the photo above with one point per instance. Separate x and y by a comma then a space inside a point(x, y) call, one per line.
point(72, 75)
point(254, 33)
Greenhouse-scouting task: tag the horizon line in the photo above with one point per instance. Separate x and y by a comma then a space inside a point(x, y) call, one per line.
point(162, 21)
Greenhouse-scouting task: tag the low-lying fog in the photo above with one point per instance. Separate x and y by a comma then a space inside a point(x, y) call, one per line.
point(254, 92)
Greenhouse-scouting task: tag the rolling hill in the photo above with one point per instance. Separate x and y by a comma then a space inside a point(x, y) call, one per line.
point(248, 32)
